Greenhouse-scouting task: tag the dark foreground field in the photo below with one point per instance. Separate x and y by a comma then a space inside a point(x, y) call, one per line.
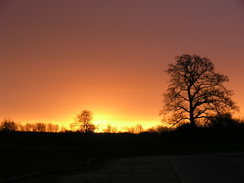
point(50, 154)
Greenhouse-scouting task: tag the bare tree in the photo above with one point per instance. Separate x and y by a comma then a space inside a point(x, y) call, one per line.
point(195, 91)
point(108, 128)
point(83, 122)
point(130, 129)
point(55, 128)
point(63, 129)
point(114, 129)
point(8, 125)
point(39, 127)
point(21, 127)
point(29, 127)
point(138, 128)
point(100, 127)
point(158, 129)
point(52, 127)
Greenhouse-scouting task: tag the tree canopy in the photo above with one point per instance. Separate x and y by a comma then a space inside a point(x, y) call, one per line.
point(195, 91)
point(83, 122)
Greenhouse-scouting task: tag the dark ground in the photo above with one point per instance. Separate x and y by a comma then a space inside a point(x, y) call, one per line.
point(52, 155)
point(52, 161)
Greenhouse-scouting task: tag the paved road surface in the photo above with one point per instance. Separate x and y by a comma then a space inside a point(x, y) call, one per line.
point(130, 170)
point(215, 168)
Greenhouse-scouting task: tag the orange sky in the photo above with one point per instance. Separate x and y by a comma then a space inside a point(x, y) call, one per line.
point(59, 57)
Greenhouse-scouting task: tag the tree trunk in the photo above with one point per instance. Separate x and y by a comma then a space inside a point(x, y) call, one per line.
point(192, 119)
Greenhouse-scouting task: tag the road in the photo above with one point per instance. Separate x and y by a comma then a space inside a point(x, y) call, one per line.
point(130, 170)
point(213, 168)
point(209, 168)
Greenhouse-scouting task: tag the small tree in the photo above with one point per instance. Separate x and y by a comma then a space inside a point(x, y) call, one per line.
point(108, 128)
point(8, 125)
point(39, 127)
point(223, 121)
point(83, 122)
point(52, 128)
point(195, 91)
point(28, 127)
point(138, 128)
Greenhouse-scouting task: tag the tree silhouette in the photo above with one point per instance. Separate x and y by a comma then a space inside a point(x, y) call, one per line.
point(39, 127)
point(138, 128)
point(223, 121)
point(8, 125)
point(52, 128)
point(108, 128)
point(83, 122)
point(195, 91)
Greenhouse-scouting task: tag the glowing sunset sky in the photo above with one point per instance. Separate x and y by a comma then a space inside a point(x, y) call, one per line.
point(58, 57)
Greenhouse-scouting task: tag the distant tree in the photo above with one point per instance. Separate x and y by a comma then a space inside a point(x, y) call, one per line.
point(130, 129)
point(63, 129)
point(134, 129)
point(39, 127)
point(114, 129)
point(8, 125)
point(195, 91)
point(21, 127)
point(52, 128)
point(100, 127)
point(223, 121)
point(159, 129)
point(56, 128)
point(28, 127)
point(83, 122)
point(138, 128)
point(108, 128)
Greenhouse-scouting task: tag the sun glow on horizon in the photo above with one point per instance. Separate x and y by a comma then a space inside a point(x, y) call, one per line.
point(101, 121)
point(123, 122)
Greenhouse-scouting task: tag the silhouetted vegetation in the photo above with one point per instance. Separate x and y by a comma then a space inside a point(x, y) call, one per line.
point(83, 122)
point(195, 91)
point(8, 125)
point(110, 129)
point(220, 129)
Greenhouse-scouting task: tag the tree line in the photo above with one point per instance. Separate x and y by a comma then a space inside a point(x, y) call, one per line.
point(225, 121)
point(228, 131)
point(83, 123)
point(9, 125)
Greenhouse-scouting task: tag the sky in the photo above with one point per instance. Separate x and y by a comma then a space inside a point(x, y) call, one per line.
point(59, 57)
